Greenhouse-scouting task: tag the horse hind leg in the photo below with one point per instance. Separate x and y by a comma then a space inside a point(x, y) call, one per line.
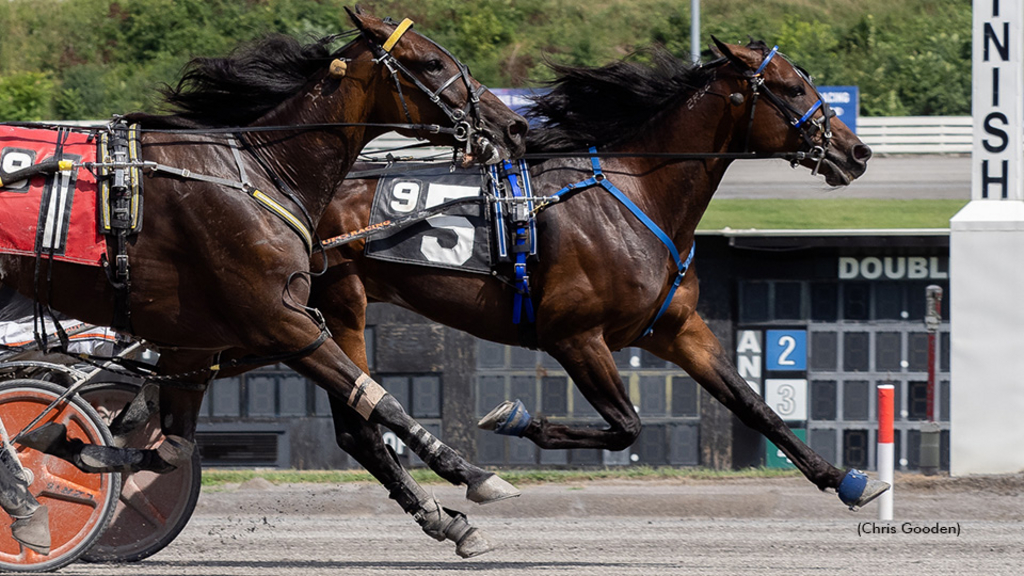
point(51, 438)
point(179, 409)
point(592, 369)
point(363, 441)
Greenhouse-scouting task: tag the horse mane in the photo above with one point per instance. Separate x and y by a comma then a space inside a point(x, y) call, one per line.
point(613, 103)
point(238, 89)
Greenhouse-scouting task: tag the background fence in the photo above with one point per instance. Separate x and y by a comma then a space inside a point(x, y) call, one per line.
point(885, 135)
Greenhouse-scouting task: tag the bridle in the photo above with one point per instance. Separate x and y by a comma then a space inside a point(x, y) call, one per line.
point(466, 121)
point(802, 121)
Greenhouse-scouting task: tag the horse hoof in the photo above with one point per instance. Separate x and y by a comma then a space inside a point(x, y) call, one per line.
point(491, 490)
point(473, 544)
point(857, 489)
point(33, 532)
point(508, 418)
point(45, 438)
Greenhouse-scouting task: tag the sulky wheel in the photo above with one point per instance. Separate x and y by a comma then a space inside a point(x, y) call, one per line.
point(153, 508)
point(80, 504)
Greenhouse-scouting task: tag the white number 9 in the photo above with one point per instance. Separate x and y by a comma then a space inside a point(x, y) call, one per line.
point(405, 196)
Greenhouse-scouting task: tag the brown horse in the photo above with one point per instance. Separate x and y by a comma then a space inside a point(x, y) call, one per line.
point(214, 269)
point(604, 280)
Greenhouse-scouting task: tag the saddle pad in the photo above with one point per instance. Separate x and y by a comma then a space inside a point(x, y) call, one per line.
point(458, 239)
point(49, 214)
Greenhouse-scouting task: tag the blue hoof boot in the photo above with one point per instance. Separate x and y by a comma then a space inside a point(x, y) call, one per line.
point(857, 489)
point(509, 418)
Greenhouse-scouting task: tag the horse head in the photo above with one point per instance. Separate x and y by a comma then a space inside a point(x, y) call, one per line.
point(786, 113)
point(429, 85)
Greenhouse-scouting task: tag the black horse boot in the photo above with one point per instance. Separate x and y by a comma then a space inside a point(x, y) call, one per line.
point(52, 439)
point(31, 521)
point(135, 413)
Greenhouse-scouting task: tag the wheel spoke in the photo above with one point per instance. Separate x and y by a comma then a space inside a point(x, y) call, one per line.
point(61, 488)
point(135, 498)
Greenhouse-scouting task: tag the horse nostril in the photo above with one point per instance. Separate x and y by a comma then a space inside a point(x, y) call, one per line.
point(518, 128)
point(862, 152)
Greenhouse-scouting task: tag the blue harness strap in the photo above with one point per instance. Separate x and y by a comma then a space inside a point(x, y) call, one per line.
point(523, 243)
point(681, 266)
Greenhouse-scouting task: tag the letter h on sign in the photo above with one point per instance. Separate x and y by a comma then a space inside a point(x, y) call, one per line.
point(998, 54)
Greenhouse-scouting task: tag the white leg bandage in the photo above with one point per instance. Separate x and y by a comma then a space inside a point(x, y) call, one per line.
point(365, 396)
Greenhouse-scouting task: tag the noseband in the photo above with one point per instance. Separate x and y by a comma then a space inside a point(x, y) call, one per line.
point(466, 120)
point(801, 121)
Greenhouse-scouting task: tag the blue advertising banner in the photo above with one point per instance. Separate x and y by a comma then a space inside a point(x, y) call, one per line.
point(844, 100)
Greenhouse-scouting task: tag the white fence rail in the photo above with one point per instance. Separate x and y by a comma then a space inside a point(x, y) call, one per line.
point(917, 134)
point(885, 135)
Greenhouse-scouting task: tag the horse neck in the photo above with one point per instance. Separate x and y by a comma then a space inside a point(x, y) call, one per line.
point(314, 162)
point(676, 193)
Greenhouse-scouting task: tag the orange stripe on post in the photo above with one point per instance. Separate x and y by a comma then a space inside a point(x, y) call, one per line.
point(886, 414)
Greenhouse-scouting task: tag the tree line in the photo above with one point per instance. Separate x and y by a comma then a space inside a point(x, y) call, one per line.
point(88, 59)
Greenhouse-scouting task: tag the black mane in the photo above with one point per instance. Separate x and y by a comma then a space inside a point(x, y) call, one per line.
point(609, 104)
point(240, 88)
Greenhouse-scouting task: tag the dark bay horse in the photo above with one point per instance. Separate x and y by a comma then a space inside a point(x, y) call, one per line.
point(215, 270)
point(603, 275)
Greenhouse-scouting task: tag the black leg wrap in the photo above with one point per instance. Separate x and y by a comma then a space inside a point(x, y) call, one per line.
point(52, 439)
point(137, 412)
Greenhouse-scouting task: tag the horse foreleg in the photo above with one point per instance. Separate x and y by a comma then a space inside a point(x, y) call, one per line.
point(329, 366)
point(591, 367)
point(341, 298)
point(691, 345)
point(364, 442)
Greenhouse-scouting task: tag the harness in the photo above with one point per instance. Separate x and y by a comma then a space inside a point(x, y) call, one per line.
point(599, 179)
point(794, 117)
point(466, 120)
point(513, 183)
point(120, 168)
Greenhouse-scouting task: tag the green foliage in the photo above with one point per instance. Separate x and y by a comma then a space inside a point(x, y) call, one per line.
point(25, 96)
point(78, 59)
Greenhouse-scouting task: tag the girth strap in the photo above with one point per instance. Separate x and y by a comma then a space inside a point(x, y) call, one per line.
point(524, 239)
point(681, 266)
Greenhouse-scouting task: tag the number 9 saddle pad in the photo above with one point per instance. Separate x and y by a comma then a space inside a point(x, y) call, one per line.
point(55, 214)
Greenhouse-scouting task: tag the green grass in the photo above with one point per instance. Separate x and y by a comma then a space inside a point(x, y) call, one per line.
point(217, 477)
point(828, 214)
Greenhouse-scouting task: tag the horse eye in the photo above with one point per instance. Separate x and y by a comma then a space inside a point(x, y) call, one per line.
point(434, 65)
point(796, 91)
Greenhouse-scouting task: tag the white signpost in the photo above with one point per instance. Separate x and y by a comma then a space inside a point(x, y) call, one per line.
point(986, 247)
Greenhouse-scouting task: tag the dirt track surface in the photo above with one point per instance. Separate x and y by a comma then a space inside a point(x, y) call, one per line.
point(648, 528)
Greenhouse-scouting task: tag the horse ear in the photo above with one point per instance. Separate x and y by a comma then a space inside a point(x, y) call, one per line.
point(354, 16)
point(359, 18)
point(368, 24)
point(727, 51)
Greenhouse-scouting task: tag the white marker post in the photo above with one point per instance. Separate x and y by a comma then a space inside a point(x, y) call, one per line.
point(886, 453)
